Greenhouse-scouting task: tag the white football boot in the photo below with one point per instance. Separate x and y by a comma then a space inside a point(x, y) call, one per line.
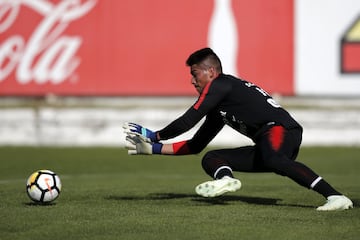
point(336, 202)
point(218, 187)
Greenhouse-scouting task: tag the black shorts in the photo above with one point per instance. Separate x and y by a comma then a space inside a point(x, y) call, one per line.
point(274, 146)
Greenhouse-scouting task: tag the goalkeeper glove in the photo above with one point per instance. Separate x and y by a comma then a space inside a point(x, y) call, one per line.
point(138, 144)
point(136, 128)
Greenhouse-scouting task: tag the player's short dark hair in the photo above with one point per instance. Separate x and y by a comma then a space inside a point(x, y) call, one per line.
point(204, 54)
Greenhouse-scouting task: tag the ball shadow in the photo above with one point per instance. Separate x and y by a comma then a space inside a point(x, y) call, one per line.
point(39, 204)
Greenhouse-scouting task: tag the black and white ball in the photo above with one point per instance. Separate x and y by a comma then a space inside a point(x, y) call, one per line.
point(43, 186)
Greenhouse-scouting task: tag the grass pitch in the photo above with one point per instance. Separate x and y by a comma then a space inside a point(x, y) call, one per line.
point(109, 195)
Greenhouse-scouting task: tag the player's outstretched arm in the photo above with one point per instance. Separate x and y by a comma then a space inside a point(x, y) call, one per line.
point(138, 144)
point(140, 140)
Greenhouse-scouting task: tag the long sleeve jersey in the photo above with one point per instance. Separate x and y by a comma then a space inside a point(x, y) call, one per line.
point(242, 105)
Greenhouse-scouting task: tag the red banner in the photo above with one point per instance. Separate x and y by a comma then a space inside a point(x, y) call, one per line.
point(134, 47)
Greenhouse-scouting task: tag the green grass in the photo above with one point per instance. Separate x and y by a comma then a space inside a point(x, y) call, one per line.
point(110, 195)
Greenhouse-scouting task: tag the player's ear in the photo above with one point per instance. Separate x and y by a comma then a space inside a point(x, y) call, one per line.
point(212, 72)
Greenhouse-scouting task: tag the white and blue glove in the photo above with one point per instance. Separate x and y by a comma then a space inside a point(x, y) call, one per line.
point(145, 132)
point(138, 144)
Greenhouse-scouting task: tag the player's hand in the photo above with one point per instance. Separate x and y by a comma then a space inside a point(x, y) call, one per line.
point(138, 144)
point(145, 132)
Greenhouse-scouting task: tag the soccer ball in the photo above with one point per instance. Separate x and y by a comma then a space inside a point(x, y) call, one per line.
point(43, 186)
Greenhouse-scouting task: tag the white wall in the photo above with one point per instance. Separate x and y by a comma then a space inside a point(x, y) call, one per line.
point(323, 125)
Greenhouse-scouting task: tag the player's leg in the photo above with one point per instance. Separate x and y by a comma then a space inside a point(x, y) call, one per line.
point(219, 165)
point(278, 149)
point(276, 152)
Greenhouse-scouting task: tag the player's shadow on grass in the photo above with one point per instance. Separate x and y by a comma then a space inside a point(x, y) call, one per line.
point(221, 200)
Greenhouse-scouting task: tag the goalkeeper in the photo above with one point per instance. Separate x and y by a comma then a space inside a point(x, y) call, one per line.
point(225, 99)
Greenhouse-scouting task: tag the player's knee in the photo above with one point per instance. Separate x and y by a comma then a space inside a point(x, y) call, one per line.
point(211, 162)
point(277, 164)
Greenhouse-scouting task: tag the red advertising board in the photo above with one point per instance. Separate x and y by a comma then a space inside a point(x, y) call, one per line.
point(134, 47)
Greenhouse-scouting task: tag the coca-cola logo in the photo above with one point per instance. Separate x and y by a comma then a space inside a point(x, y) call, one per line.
point(49, 54)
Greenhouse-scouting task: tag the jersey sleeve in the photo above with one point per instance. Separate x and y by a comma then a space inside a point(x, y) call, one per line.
point(208, 130)
point(181, 125)
point(208, 100)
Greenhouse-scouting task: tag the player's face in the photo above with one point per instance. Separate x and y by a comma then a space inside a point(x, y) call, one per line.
point(200, 77)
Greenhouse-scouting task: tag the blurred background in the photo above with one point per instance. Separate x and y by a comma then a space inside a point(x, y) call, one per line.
point(73, 71)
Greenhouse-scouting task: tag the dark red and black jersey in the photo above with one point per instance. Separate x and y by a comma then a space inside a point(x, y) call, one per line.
point(232, 101)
